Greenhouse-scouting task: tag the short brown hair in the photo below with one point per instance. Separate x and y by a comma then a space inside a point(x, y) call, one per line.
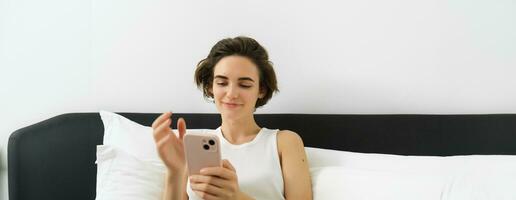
point(242, 46)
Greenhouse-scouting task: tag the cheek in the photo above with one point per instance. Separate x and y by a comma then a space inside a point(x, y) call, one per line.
point(250, 96)
point(217, 95)
point(216, 92)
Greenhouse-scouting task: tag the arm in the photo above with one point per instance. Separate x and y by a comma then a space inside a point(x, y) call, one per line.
point(175, 187)
point(296, 175)
point(171, 152)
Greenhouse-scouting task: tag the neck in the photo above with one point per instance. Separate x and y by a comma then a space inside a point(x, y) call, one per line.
point(238, 131)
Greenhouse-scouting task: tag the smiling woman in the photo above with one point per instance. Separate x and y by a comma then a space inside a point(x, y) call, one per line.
point(259, 163)
point(236, 85)
point(243, 52)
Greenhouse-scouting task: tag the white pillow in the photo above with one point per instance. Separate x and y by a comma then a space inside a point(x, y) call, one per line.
point(128, 162)
point(355, 184)
point(128, 136)
point(124, 176)
point(349, 175)
point(339, 174)
point(132, 137)
point(374, 161)
point(484, 177)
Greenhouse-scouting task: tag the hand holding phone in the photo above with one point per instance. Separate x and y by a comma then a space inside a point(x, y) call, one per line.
point(201, 150)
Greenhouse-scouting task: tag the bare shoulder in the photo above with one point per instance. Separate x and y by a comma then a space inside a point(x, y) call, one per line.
point(289, 140)
point(294, 166)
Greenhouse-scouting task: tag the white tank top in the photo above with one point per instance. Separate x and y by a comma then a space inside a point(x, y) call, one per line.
point(257, 165)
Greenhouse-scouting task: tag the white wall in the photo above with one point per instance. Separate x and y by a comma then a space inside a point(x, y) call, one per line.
point(363, 56)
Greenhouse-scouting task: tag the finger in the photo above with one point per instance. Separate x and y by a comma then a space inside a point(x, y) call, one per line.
point(162, 130)
point(217, 171)
point(161, 118)
point(226, 164)
point(181, 127)
point(207, 189)
point(213, 180)
point(204, 195)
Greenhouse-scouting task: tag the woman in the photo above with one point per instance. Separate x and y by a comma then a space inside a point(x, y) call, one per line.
point(260, 163)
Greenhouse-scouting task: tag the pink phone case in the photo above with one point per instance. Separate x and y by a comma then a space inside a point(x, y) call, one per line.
point(201, 150)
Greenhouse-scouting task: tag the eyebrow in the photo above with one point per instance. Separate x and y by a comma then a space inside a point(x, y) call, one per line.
point(240, 79)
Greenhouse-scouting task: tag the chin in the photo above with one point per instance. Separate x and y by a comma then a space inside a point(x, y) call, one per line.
point(232, 113)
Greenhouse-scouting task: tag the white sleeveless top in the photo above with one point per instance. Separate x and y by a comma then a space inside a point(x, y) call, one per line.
point(256, 163)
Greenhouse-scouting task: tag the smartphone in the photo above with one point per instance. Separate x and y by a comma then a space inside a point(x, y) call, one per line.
point(201, 150)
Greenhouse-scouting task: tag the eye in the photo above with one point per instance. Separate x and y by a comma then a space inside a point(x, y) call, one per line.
point(246, 86)
point(221, 83)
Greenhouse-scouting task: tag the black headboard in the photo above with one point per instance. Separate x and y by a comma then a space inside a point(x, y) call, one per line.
point(55, 159)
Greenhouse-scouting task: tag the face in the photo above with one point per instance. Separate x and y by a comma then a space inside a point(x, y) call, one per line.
point(236, 86)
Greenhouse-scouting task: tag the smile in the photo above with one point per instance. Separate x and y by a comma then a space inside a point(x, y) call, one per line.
point(231, 105)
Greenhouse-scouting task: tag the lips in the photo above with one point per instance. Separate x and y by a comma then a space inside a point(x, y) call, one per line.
point(231, 105)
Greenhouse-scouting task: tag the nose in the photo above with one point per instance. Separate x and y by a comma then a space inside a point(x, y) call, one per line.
point(232, 92)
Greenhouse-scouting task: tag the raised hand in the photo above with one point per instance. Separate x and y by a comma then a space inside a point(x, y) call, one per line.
point(169, 146)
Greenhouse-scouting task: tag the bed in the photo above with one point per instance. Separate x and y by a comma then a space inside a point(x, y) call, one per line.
point(55, 159)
